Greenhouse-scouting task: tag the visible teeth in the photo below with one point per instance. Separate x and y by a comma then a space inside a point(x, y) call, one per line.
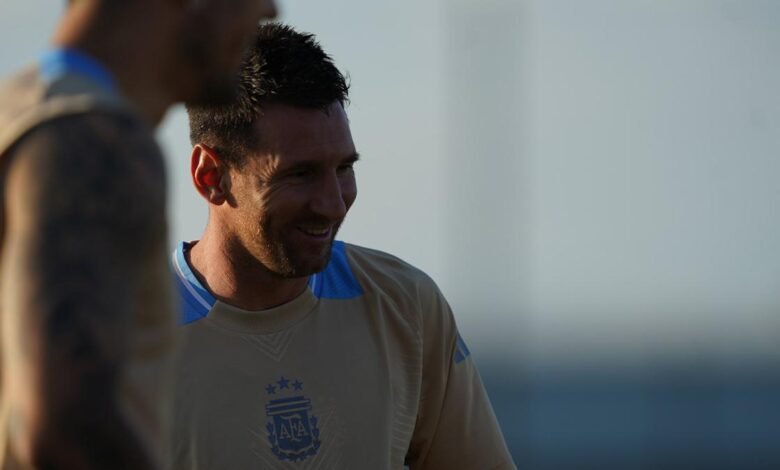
point(316, 230)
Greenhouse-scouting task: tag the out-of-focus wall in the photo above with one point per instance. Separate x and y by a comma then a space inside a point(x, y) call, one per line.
point(618, 161)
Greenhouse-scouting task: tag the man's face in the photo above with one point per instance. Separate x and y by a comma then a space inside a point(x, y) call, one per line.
point(291, 196)
point(213, 41)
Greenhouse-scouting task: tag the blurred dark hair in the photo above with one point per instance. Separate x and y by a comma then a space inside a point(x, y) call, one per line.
point(282, 66)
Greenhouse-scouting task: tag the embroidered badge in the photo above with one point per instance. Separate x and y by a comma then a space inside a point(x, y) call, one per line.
point(292, 430)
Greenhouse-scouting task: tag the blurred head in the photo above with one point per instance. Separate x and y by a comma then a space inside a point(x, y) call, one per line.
point(277, 164)
point(188, 49)
point(211, 42)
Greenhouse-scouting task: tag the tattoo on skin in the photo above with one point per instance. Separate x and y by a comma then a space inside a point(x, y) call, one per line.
point(84, 233)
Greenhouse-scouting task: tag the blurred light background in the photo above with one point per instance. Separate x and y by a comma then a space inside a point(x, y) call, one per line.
point(593, 184)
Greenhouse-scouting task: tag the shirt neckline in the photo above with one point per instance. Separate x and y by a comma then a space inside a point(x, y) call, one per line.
point(203, 305)
point(57, 62)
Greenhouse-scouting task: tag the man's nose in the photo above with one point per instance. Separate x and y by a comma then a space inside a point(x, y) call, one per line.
point(329, 200)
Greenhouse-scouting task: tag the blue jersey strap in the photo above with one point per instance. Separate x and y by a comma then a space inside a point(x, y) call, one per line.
point(58, 62)
point(196, 300)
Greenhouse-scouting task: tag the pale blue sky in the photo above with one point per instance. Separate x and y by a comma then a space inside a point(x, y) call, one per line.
point(583, 179)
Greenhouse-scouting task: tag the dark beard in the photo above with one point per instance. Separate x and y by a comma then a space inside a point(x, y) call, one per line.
point(284, 263)
point(285, 267)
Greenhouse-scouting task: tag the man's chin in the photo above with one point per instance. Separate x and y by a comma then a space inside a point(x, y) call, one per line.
point(310, 268)
point(298, 260)
point(307, 267)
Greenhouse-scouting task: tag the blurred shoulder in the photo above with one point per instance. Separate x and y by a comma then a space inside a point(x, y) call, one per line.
point(33, 104)
point(104, 130)
point(95, 144)
point(98, 168)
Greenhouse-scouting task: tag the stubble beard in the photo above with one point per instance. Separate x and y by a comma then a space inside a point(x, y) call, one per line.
point(281, 259)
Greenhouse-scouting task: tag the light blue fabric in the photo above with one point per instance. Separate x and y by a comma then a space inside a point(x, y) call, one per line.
point(336, 281)
point(55, 63)
point(196, 300)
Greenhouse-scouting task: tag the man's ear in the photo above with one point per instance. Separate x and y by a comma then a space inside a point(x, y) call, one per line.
point(208, 174)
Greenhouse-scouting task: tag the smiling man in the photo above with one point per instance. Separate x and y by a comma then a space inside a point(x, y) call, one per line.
point(302, 351)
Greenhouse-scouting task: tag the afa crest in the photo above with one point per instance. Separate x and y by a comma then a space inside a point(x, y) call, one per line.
point(292, 430)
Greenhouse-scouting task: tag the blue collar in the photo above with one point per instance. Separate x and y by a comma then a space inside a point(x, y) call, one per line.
point(336, 282)
point(57, 62)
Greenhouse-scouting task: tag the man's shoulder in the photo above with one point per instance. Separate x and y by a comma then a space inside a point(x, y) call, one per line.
point(105, 169)
point(384, 271)
point(29, 104)
point(387, 263)
point(92, 133)
point(19, 94)
point(24, 79)
point(103, 144)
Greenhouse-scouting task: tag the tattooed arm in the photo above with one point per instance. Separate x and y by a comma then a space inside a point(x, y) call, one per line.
point(84, 230)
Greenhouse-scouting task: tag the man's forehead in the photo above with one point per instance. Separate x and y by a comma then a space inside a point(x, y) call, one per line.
point(281, 114)
point(285, 128)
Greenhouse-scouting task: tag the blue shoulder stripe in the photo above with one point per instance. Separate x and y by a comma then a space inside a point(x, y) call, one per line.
point(461, 350)
point(336, 281)
point(196, 300)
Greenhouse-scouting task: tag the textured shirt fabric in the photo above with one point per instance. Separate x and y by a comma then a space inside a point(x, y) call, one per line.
point(364, 370)
point(36, 96)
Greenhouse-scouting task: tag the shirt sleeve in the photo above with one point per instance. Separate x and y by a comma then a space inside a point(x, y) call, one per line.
point(456, 427)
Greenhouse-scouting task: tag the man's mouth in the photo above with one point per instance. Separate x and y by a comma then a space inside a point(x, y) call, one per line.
point(317, 231)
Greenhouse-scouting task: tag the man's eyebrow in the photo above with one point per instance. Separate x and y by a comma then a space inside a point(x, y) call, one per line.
point(304, 164)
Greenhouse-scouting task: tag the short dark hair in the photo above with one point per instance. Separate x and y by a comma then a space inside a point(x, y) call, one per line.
point(282, 66)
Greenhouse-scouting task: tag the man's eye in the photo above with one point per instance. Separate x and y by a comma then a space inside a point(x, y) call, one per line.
point(345, 168)
point(301, 174)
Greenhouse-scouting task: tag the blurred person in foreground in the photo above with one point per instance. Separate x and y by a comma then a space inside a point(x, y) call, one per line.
point(300, 350)
point(86, 296)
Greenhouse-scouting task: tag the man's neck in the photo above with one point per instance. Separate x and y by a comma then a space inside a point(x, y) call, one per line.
point(134, 60)
point(238, 281)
